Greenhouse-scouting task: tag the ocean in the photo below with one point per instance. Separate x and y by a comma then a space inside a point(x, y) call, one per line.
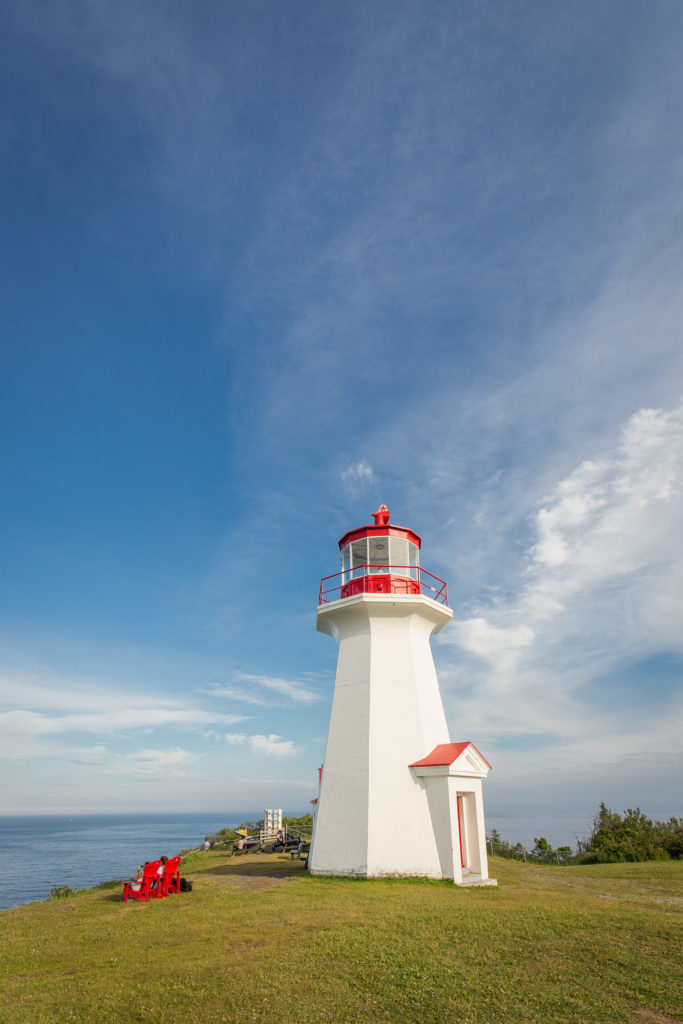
point(38, 854)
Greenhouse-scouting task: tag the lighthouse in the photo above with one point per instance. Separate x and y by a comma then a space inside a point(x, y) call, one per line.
point(396, 797)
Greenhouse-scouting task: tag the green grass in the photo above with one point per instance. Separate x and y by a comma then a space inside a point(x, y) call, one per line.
point(260, 940)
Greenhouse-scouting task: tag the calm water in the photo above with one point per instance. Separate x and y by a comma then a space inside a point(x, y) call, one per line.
point(39, 853)
point(559, 830)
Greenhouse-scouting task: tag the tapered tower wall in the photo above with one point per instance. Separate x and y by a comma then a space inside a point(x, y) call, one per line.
point(373, 814)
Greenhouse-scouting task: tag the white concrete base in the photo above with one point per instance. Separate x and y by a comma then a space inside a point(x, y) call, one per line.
point(476, 880)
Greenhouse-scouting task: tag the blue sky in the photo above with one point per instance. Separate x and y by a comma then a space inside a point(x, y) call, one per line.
point(266, 266)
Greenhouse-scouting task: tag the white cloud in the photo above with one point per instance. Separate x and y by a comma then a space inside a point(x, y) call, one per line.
point(159, 757)
point(235, 738)
point(357, 472)
point(613, 523)
point(602, 590)
point(499, 645)
point(598, 519)
point(273, 746)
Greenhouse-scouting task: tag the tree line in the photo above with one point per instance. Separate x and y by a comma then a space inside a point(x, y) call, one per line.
point(630, 836)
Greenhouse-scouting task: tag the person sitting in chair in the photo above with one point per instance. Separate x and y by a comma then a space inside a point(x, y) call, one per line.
point(279, 843)
point(137, 879)
point(241, 845)
point(160, 871)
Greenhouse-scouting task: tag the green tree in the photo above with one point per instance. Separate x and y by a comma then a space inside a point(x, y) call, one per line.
point(631, 836)
point(542, 850)
point(500, 847)
point(302, 825)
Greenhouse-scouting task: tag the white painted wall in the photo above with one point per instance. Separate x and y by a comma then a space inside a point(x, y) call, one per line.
point(443, 785)
point(445, 825)
point(373, 814)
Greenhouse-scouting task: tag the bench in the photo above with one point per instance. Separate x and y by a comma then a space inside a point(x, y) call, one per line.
point(141, 890)
point(249, 845)
point(169, 882)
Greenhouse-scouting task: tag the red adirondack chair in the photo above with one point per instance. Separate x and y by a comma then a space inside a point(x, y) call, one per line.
point(141, 890)
point(170, 879)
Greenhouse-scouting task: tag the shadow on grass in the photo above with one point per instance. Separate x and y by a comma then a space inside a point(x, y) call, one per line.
point(255, 866)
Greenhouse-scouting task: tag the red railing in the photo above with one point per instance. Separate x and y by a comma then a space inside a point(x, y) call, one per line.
point(389, 579)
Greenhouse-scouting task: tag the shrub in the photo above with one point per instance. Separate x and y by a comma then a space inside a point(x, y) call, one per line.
point(631, 836)
point(61, 891)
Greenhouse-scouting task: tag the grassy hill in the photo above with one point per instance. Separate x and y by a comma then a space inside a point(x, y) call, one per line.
point(260, 940)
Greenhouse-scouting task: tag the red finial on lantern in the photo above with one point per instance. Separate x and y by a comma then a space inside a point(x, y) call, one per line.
point(381, 516)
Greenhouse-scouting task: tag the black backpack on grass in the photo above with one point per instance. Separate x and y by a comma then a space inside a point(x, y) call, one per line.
point(185, 886)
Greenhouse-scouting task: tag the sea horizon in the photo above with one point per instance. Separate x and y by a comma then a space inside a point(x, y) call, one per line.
point(40, 852)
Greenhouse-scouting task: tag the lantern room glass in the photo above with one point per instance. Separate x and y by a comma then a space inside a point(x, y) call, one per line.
point(414, 553)
point(359, 556)
point(380, 554)
point(346, 562)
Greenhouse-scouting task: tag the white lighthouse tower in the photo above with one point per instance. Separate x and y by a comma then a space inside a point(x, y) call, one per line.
point(396, 796)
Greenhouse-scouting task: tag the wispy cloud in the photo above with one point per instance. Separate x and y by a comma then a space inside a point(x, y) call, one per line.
point(293, 692)
point(236, 693)
point(296, 783)
point(153, 763)
point(268, 746)
point(42, 711)
point(117, 720)
point(89, 756)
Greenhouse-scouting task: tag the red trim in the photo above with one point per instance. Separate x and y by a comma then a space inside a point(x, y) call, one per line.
point(394, 579)
point(446, 753)
point(381, 583)
point(458, 801)
point(380, 531)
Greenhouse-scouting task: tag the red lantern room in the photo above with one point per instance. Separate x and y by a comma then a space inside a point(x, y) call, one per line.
point(381, 559)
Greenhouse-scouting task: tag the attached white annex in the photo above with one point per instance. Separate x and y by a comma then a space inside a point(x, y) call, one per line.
point(396, 796)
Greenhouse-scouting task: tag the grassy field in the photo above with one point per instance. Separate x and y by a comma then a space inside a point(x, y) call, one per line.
point(261, 940)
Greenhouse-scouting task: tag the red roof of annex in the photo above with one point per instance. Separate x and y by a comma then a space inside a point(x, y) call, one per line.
point(446, 753)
